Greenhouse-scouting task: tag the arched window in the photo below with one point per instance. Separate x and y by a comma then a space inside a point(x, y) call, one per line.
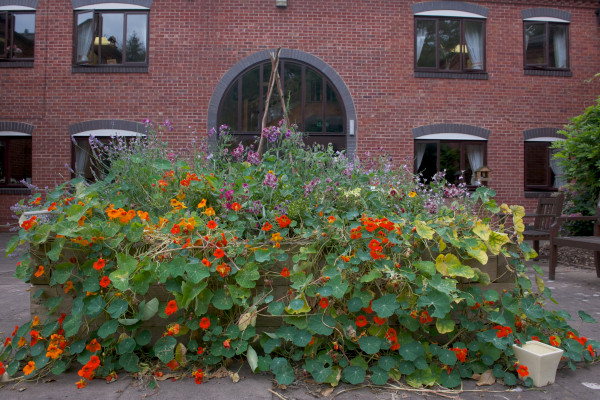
point(15, 154)
point(313, 102)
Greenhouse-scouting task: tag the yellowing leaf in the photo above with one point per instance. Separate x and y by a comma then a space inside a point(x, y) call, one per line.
point(518, 211)
point(479, 253)
point(247, 319)
point(303, 310)
point(505, 208)
point(424, 231)
point(482, 230)
point(180, 351)
point(496, 241)
point(444, 325)
point(442, 245)
point(444, 263)
point(540, 283)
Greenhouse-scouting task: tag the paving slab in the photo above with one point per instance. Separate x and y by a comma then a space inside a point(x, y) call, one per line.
point(574, 289)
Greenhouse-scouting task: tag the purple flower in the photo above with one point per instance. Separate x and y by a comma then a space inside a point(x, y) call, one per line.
point(167, 124)
point(270, 180)
point(238, 153)
point(253, 158)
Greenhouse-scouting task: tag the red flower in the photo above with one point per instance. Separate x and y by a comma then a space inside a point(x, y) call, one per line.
point(211, 224)
point(266, 227)
point(236, 207)
point(200, 350)
point(198, 375)
point(368, 310)
point(173, 365)
point(175, 229)
point(395, 346)
point(219, 253)
point(223, 269)
point(379, 321)
point(2, 370)
point(324, 303)
point(81, 383)
point(52, 206)
point(361, 321)
point(105, 281)
point(285, 272)
point(425, 318)
point(331, 219)
point(461, 354)
point(391, 335)
point(553, 341)
point(537, 339)
point(206, 262)
point(591, 350)
point(98, 265)
point(502, 331)
point(283, 221)
point(226, 344)
point(522, 371)
point(171, 307)
point(40, 271)
point(205, 323)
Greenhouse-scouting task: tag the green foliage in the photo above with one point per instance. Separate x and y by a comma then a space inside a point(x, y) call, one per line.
point(366, 270)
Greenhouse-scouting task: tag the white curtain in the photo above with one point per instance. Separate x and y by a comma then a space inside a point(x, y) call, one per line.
point(474, 39)
point(560, 48)
point(420, 153)
point(475, 156)
point(559, 179)
point(85, 33)
point(421, 35)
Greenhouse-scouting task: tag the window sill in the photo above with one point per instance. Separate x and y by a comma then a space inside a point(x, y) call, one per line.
point(14, 190)
point(547, 72)
point(108, 69)
point(16, 64)
point(530, 194)
point(452, 75)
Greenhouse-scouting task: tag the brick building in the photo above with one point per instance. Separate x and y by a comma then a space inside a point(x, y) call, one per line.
point(447, 84)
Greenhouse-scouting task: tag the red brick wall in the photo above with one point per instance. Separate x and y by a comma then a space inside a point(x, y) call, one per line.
point(368, 43)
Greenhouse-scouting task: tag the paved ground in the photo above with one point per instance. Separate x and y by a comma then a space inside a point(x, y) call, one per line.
point(574, 289)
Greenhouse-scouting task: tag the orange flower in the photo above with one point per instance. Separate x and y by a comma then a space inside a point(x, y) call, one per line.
point(68, 286)
point(40, 271)
point(219, 253)
point(331, 219)
point(361, 321)
point(522, 371)
point(52, 206)
point(379, 321)
point(81, 383)
point(283, 221)
point(98, 265)
point(171, 307)
point(36, 200)
point(236, 207)
point(461, 354)
point(226, 344)
point(35, 336)
point(266, 227)
point(143, 215)
point(209, 211)
point(391, 335)
point(554, 341)
point(206, 262)
point(502, 331)
point(93, 346)
point(36, 321)
point(28, 224)
point(324, 303)
point(29, 368)
point(285, 272)
point(198, 375)
point(223, 269)
point(205, 323)
point(105, 281)
point(22, 342)
point(175, 229)
point(211, 224)
point(202, 204)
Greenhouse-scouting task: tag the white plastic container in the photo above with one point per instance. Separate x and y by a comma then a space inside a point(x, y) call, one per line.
point(540, 359)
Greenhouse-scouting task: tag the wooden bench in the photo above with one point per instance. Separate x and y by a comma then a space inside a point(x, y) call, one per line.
point(580, 242)
point(546, 213)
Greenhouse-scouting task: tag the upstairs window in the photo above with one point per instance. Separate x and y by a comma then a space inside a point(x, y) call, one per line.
point(546, 45)
point(444, 44)
point(17, 35)
point(111, 37)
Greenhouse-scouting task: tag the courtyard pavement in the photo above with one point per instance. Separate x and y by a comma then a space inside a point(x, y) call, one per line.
point(574, 289)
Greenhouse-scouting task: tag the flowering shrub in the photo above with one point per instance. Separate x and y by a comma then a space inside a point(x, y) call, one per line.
point(363, 266)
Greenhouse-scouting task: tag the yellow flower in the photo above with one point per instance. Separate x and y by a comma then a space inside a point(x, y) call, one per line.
point(209, 211)
point(177, 205)
point(276, 237)
point(412, 194)
point(202, 204)
point(35, 321)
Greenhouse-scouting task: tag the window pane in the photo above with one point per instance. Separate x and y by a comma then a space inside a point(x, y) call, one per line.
point(3, 176)
point(292, 89)
point(334, 114)
point(229, 108)
point(85, 36)
point(112, 38)
point(474, 45)
point(83, 159)
point(137, 27)
point(250, 101)
point(17, 162)
point(449, 40)
point(425, 38)
point(23, 36)
point(536, 164)
point(428, 165)
point(275, 114)
point(450, 161)
point(535, 44)
point(3, 36)
point(314, 102)
point(558, 46)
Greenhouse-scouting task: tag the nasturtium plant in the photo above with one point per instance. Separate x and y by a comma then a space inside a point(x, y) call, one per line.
point(299, 259)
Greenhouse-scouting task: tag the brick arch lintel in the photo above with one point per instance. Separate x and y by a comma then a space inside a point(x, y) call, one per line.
point(82, 3)
point(21, 127)
point(450, 128)
point(22, 3)
point(546, 12)
point(115, 124)
point(529, 134)
point(449, 5)
point(297, 55)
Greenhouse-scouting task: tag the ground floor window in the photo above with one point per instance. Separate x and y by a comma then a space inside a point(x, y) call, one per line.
point(457, 158)
point(15, 161)
point(542, 172)
point(88, 156)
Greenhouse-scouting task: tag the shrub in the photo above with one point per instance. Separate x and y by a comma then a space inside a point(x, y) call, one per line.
point(372, 263)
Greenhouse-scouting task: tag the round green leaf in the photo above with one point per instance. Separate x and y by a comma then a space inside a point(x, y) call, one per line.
point(370, 344)
point(451, 379)
point(285, 375)
point(385, 306)
point(510, 379)
point(144, 337)
point(117, 308)
point(321, 374)
point(411, 351)
point(354, 375)
point(276, 308)
point(59, 367)
point(221, 300)
point(379, 376)
point(297, 304)
point(321, 324)
point(126, 345)
point(164, 347)
point(108, 328)
point(354, 304)
point(447, 357)
point(129, 362)
point(302, 338)
point(386, 363)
